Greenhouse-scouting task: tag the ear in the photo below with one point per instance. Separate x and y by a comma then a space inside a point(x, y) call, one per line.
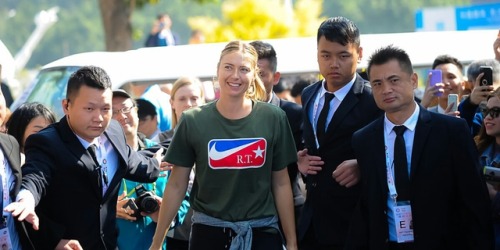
point(360, 54)
point(65, 105)
point(277, 77)
point(414, 80)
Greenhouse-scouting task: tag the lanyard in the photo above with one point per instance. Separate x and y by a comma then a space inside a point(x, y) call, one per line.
point(390, 177)
point(131, 192)
point(5, 189)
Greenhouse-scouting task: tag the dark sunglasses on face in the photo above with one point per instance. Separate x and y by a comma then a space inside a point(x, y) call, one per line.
point(493, 112)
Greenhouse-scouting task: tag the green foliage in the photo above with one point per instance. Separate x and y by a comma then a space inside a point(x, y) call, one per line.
point(79, 28)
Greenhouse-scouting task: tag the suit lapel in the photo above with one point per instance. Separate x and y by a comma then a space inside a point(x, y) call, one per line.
point(380, 154)
point(422, 131)
point(345, 107)
point(11, 153)
point(308, 97)
point(113, 137)
point(76, 148)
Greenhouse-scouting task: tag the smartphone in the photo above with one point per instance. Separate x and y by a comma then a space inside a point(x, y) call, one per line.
point(492, 174)
point(487, 78)
point(453, 98)
point(436, 77)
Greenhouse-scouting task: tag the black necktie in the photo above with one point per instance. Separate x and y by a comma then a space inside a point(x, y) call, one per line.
point(401, 165)
point(321, 125)
point(91, 149)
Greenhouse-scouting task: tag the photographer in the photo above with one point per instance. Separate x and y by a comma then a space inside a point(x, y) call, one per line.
point(138, 204)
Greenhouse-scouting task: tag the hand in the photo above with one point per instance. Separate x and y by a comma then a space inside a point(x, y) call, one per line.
point(68, 245)
point(165, 166)
point(431, 92)
point(124, 212)
point(347, 173)
point(154, 216)
point(479, 93)
point(158, 156)
point(496, 47)
point(309, 164)
point(448, 111)
point(24, 209)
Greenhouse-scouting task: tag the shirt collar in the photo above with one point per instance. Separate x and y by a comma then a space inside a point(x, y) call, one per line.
point(341, 93)
point(87, 144)
point(410, 123)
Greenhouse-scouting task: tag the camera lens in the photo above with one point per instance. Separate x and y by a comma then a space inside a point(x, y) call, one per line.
point(149, 205)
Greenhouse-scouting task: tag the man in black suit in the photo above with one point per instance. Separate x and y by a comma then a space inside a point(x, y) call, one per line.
point(74, 168)
point(327, 135)
point(270, 76)
point(421, 181)
point(10, 174)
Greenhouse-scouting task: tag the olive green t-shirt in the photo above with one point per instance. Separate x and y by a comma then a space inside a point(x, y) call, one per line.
point(234, 159)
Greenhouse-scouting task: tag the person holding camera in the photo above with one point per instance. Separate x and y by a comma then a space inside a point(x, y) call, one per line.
point(488, 144)
point(137, 206)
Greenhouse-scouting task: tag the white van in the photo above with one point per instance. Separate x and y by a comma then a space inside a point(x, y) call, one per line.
point(295, 56)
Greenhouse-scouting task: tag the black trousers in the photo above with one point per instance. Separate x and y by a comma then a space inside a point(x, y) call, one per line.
point(401, 246)
point(205, 237)
point(309, 242)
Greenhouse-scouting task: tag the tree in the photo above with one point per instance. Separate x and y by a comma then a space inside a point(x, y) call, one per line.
point(116, 19)
point(260, 19)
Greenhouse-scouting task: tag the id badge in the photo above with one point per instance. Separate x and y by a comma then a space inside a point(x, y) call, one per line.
point(404, 222)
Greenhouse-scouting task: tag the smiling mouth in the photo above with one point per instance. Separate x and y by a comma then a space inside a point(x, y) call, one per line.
point(234, 84)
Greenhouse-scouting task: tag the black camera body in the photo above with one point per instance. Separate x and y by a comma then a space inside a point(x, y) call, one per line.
point(145, 200)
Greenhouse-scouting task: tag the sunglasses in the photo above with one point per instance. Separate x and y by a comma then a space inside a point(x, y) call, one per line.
point(493, 112)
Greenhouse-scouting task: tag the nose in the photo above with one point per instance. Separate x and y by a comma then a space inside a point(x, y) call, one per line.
point(334, 63)
point(386, 88)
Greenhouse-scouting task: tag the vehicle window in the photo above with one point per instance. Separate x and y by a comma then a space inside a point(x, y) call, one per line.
point(50, 88)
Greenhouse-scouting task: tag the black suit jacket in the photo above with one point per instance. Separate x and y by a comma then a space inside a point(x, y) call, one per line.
point(61, 175)
point(294, 114)
point(328, 205)
point(449, 200)
point(10, 148)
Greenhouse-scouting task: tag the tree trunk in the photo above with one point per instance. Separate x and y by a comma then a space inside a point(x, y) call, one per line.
point(116, 15)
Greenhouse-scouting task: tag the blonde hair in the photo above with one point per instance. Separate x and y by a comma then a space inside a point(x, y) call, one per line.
point(256, 90)
point(181, 82)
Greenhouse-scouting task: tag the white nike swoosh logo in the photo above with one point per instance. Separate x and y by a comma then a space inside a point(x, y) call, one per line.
point(217, 155)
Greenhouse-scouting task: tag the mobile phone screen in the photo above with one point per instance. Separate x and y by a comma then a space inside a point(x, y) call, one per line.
point(453, 98)
point(487, 78)
point(436, 77)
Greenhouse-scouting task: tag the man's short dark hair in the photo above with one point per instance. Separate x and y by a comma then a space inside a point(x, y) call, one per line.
point(340, 30)
point(473, 70)
point(445, 59)
point(266, 51)
point(145, 108)
point(299, 86)
point(90, 76)
point(386, 54)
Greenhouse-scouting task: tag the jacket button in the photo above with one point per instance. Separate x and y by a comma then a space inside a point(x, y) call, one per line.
point(314, 184)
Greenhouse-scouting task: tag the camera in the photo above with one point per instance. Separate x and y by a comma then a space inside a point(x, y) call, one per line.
point(492, 174)
point(145, 200)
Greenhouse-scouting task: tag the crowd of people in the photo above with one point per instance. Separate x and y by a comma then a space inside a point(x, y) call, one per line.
point(169, 168)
